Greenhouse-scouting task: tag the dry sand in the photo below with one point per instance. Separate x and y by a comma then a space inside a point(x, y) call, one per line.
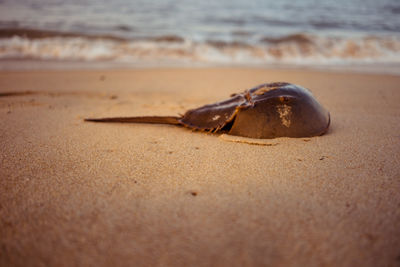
point(85, 194)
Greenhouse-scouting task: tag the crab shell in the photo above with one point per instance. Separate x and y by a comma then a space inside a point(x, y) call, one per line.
point(266, 111)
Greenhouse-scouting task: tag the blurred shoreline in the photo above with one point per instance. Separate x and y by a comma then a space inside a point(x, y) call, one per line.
point(346, 35)
point(43, 49)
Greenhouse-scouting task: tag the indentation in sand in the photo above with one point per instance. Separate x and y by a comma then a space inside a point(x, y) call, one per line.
point(250, 141)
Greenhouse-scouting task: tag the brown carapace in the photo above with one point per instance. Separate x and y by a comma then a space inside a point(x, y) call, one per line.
point(267, 111)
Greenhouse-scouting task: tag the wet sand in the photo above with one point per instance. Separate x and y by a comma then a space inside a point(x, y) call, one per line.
point(85, 194)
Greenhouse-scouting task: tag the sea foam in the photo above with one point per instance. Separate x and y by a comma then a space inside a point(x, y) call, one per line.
point(297, 49)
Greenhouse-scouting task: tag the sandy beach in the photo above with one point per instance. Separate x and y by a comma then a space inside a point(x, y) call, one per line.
point(74, 193)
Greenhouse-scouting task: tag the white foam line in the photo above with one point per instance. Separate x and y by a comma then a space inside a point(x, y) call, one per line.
point(326, 52)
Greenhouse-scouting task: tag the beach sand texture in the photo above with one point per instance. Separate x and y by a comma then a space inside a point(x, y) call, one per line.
point(74, 193)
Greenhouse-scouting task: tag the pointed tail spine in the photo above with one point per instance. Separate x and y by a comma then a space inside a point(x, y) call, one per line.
point(146, 119)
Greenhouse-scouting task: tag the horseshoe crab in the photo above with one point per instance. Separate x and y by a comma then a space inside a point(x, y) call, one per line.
point(267, 111)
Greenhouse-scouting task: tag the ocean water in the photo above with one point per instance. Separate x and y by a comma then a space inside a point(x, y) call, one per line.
point(362, 33)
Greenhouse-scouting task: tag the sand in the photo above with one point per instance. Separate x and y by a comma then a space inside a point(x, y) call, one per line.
point(85, 194)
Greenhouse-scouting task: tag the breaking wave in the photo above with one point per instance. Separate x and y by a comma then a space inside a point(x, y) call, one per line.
point(299, 49)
